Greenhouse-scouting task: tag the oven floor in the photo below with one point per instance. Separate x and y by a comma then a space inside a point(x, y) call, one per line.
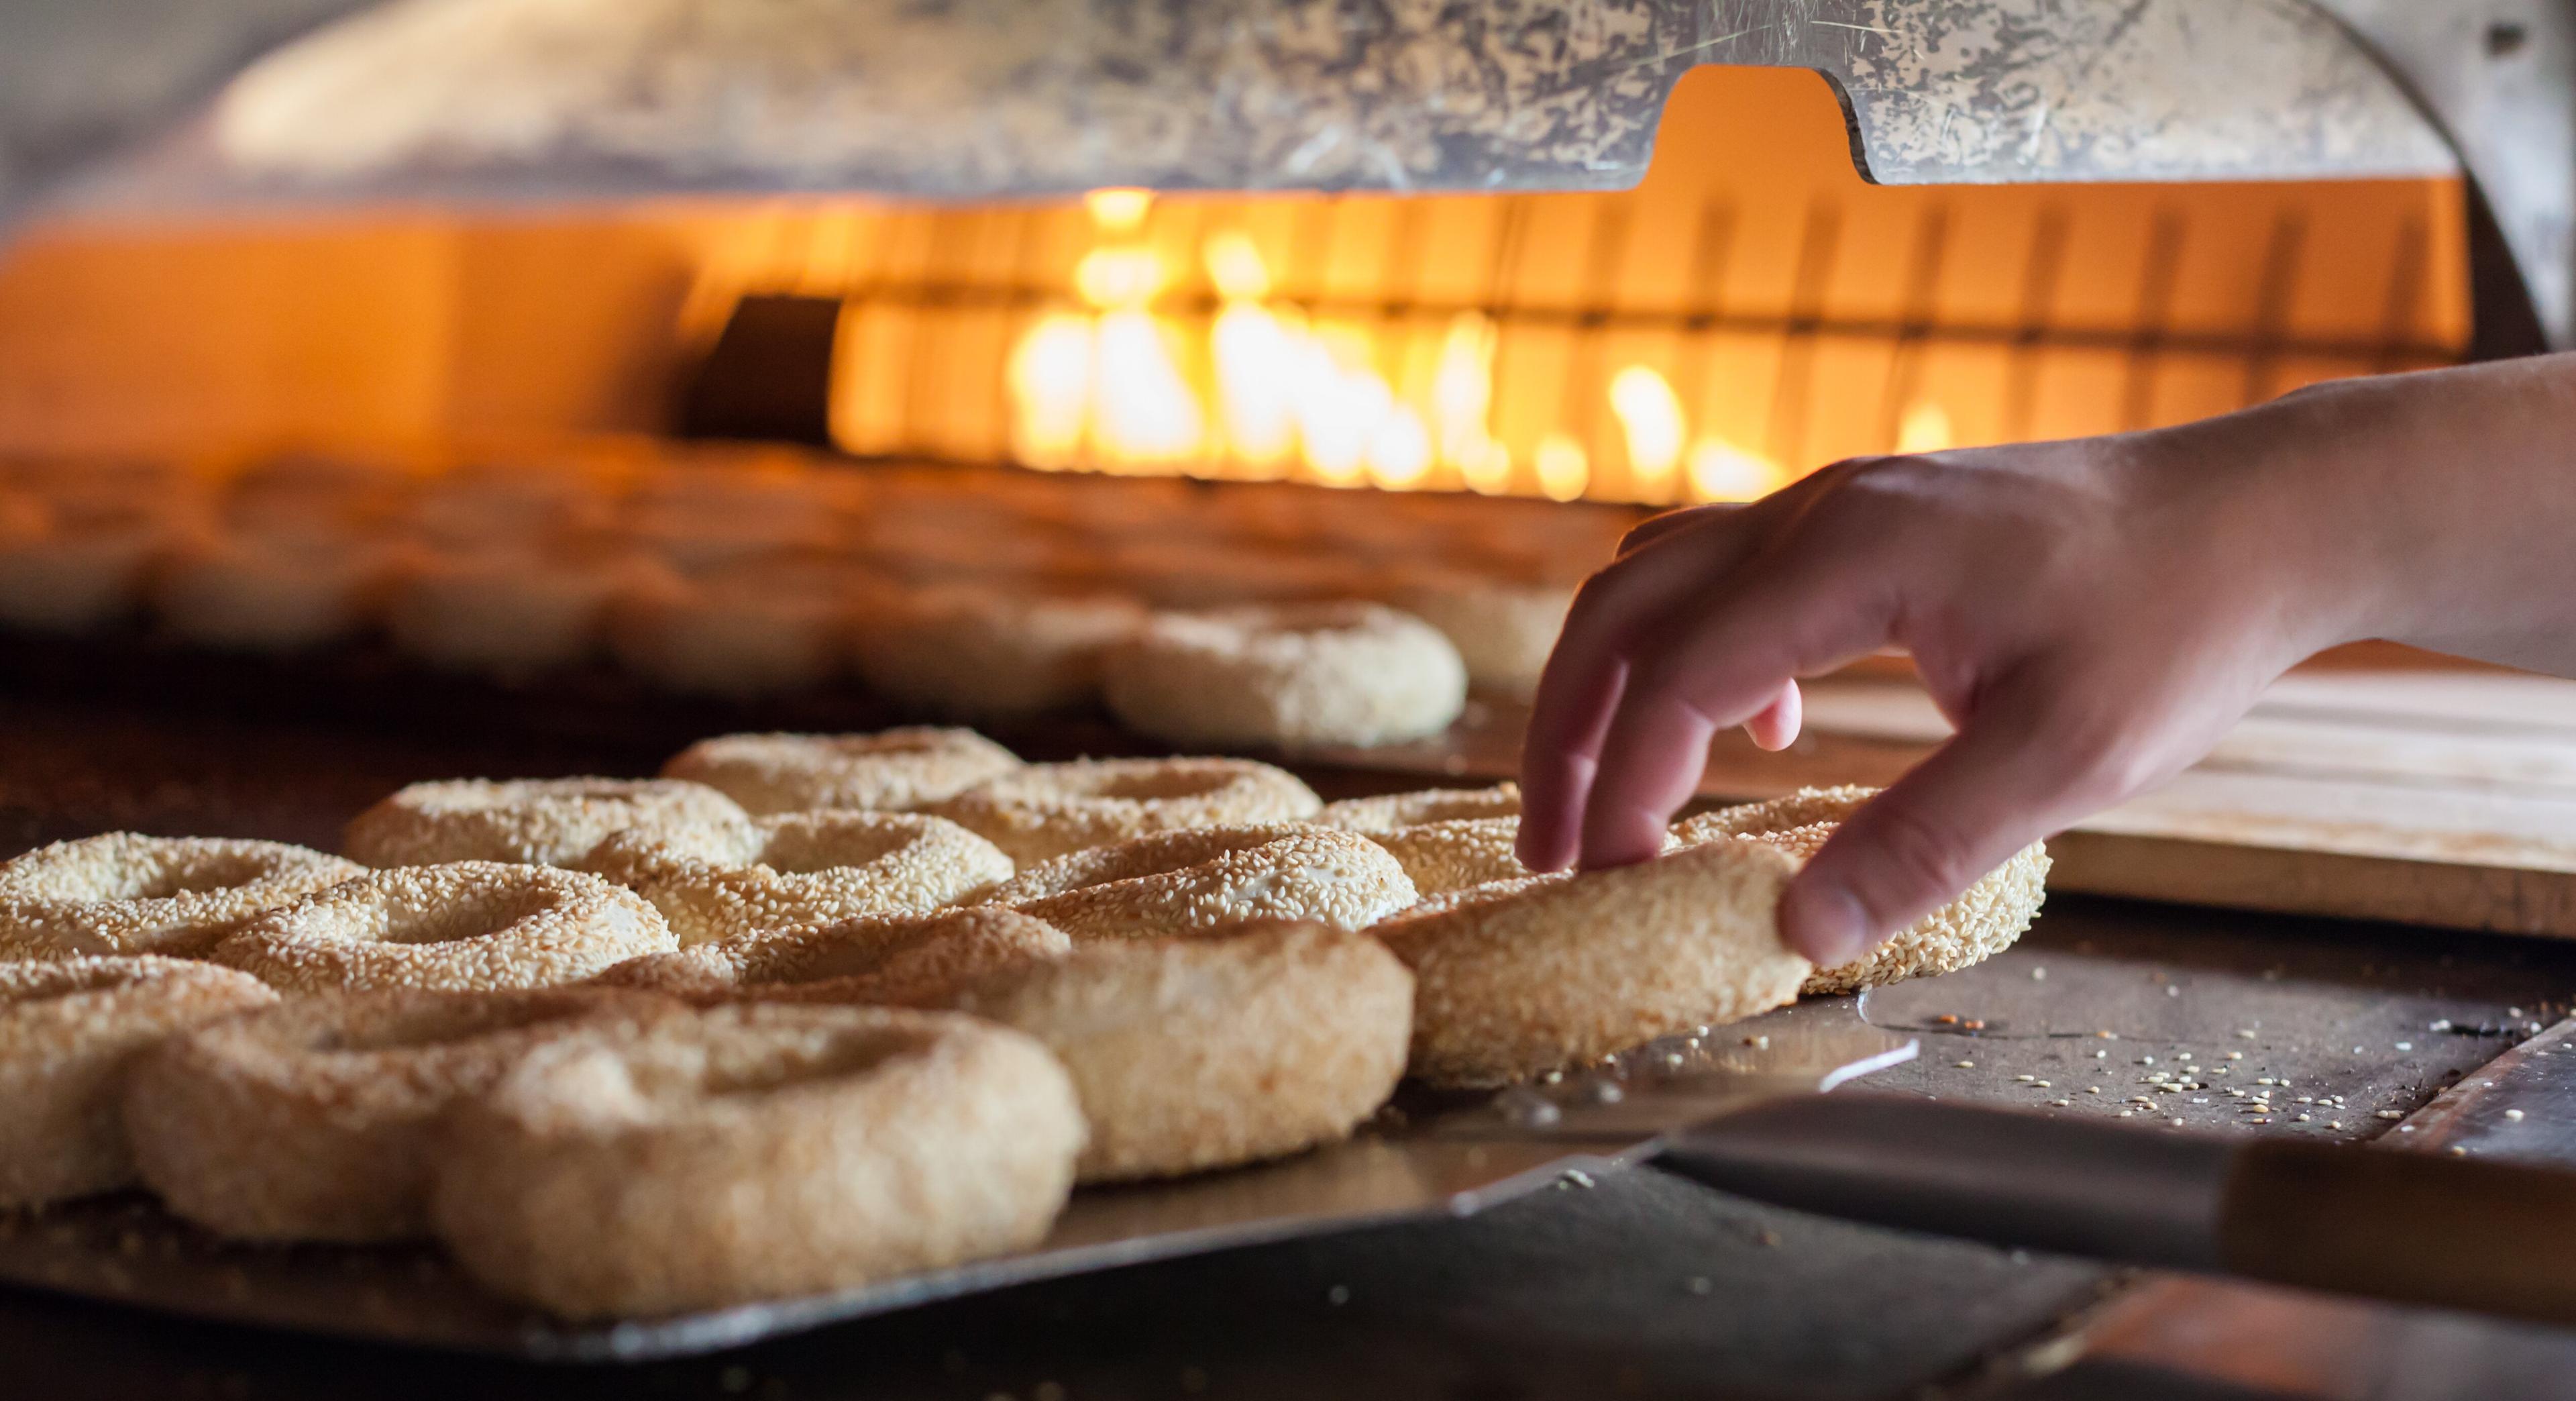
point(1642, 1285)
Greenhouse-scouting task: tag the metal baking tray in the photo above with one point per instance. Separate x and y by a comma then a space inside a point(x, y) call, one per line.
point(1427, 1155)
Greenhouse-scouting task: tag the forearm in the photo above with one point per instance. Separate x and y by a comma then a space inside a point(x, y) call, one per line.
point(2437, 509)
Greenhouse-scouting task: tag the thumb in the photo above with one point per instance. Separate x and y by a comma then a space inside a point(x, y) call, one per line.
point(1996, 787)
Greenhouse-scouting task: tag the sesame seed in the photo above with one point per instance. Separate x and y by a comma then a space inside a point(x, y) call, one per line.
point(2061, 1103)
point(2096, 1089)
point(2514, 1114)
point(2303, 1118)
point(2177, 1123)
point(2389, 1114)
point(2236, 1055)
point(2406, 1128)
point(2459, 1152)
point(2025, 1079)
point(2406, 1045)
point(2334, 1123)
point(2039, 975)
point(2041, 1083)
point(1966, 1064)
point(2245, 1034)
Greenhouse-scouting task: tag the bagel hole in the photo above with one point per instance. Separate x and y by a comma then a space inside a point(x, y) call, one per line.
point(1154, 784)
point(767, 1066)
point(186, 875)
point(804, 849)
point(451, 919)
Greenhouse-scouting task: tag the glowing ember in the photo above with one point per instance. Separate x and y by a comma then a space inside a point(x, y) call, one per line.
point(1650, 413)
point(1925, 428)
point(1564, 469)
point(1721, 471)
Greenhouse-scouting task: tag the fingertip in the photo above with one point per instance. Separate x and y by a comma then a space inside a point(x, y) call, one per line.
point(1777, 726)
point(1823, 922)
point(1620, 836)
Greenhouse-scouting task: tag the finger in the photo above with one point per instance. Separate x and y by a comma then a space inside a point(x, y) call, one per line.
point(1775, 727)
point(1709, 667)
point(1998, 785)
point(1579, 689)
point(1655, 528)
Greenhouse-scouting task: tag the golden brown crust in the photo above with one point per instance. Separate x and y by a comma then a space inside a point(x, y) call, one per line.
point(69, 1034)
point(891, 771)
point(123, 893)
point(1228, 1047)
point(1287, 674)
point(1048, 810)
point(313, 1120)
point(466, 926)
point(1208, 877)
point(1978, 925)
point(753, 1152)
point(1520, 977)
point(1453, 855)
point(799, 869)
point(540, 822)
point(1388, 811)
point(906, 960)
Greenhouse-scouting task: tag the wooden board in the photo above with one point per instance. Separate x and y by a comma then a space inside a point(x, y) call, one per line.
point(2426, 797)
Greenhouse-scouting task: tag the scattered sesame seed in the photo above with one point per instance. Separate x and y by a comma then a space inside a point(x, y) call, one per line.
point(2334, 1123)
point(2245, 1034)
point(2389, 1114)
point(2236, 1055)
point(2101, 1055)
point(2039, 975)
point(2303, 1118)
point(2262, 1079)
point(2182, 1055)
point(2406, 1045)
point(2061, 1103)
point(2173, 992)
point(2146, 1060)
point(2514, 1114)
point(1966, 1065)
point(2406, 1128)
point(2459, 1152)
point(2513, 1011)
point(1947, 1019)
point(2438, 1024)
point(2096, 1089)
point(2259, 1121)
point(2126, 1113)
point(2041, 1083)
point(2177, 1123)
point(2025, 1079)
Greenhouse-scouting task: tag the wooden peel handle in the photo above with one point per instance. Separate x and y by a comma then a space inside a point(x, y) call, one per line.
point(2412, 1228)
point(2403, 1227)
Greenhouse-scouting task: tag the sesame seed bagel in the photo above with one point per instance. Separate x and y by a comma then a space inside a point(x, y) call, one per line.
point(1981, 923)
point(1520, 977)
point(1228, 1047)
point(69, 1033)
point(313, 1120)
point(1048, 810)
point(892, 771)
point(1204, 878)
point(753, 1152)
point(978, 652)
point(463, 927)
point(1287, 674)
point(539, 822)
point(124, 893)
point(1388, 811)
point(272, 591)
point(888, 960)
point(797, 869)
point(1503, 630)
point(1461, 852)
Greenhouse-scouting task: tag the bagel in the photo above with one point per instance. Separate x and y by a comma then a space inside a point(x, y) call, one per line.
point(979, 652)
point(798, 868)
point(1981, 923)
point(1245, 1043)
point(1047, 810)
point(511, 613)
point(1389, 811)
point(272, 592)
point(1503, 631)
point(892, 771)
point(125, 893)
point(886, 960)
point(69, 1033)
point(58, 577)
point(1287, 674)
point(752, 1152)
point(1207, 877)
point(1520, 977)
point(313, 1121)
point(1461, 852)
point(760, 626)
point(539, 822)
point(465, 926)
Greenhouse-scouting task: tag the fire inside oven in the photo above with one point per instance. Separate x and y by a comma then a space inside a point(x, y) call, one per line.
point(309, 411)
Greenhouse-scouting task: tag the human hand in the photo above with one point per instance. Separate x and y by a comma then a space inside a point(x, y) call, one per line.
point(2091, 615)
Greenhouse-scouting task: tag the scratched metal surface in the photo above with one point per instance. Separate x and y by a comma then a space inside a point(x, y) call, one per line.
point(981, 98)
point(1430, 1156)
